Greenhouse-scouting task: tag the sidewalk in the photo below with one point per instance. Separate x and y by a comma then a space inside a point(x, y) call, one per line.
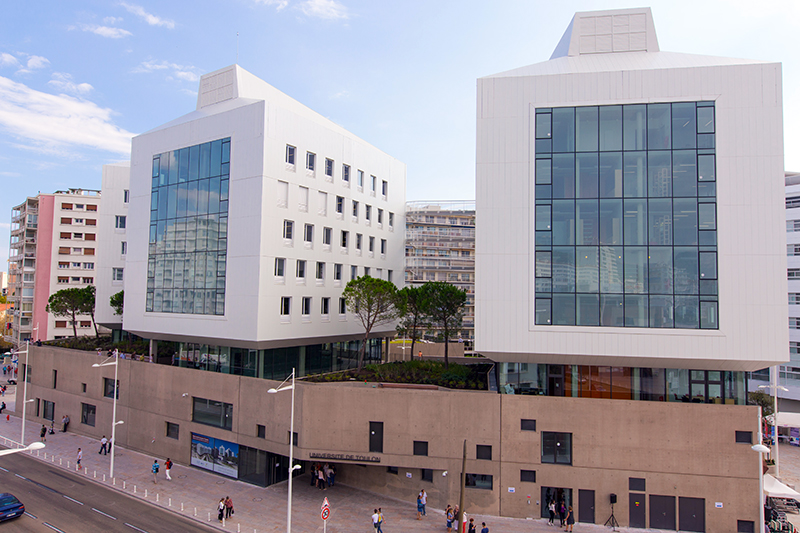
point(194, 493)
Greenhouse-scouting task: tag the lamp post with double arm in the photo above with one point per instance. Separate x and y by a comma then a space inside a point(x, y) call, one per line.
point(280, 388)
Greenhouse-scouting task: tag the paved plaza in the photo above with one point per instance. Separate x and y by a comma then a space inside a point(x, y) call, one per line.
point(195, 493)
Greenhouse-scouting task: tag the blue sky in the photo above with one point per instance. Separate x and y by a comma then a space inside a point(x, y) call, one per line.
point(79, 78)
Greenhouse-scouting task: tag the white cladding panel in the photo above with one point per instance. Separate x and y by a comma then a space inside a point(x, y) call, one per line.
point(116, 181)
point(750, 221)
point(260, 132)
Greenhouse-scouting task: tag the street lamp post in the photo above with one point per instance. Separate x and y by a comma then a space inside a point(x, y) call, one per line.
point(114, 421)
point(761, 449)
point(292, 467)
point(25, 386)
point(29, 448)
point(774, 387)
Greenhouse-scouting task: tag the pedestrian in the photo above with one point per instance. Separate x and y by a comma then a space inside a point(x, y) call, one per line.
point(471, 528)
point(110, 442)
point(419, 506)
point(52, 425)
point(551, 507)
point(321, 478)
point(103, 445)
point(484, 529)
point(375, 518)
point(314, 477)
point(228, 507)
point(450, 515)
point(424, 503)
point(562, 512)
point(80, 456)
point(43, 433)
point(221, 509)
point(380, 520)
point(2, 407)
point(570, 519)
point(328, 474)
point(8, 418)
point(333, 475)
point(167, 468)
point(154, 469)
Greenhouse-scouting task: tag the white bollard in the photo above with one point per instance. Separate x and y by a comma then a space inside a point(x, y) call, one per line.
point(209, 517)
point(156, 497)
point(181, 506)
point(195, 512)
point(123, 485)
point(134, 489)
point(104, 478)
point(223, 520)
point(170, 503)
point(145, 493)
point(95, 474)
point(238, 528)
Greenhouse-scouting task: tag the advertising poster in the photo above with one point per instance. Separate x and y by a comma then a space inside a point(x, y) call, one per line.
point(217, 455)
point(202, 451)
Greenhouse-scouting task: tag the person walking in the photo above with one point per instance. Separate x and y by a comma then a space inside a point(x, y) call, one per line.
point(64, 424)
point(321, 478)
point(2, 407)
point(380, 520)
point(52, 425)
point(570, 519)
point(43, 433)
point(328, 474)
point(424, 503)
point(167, 468)
point(221, 509)
point(419, 506)
point(154, 469)
point(103, 445)
point(551, 508)
point(562, 513)
point(80, 456)
point(228, 507)
point(375, 520)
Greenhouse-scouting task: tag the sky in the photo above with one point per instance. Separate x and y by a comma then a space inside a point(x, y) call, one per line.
point(78, 79)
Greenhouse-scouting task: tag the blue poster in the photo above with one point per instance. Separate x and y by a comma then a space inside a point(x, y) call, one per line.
point(217, 455)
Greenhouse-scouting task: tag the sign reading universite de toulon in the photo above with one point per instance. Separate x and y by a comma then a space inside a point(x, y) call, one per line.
point(345, 457)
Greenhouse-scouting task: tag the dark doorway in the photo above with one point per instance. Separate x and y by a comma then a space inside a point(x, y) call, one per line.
point(586, 506)
point(662, 512)
point(557, 495)
point(376, 437)
point(555, 380)
point(638, 510)
point(692, 514)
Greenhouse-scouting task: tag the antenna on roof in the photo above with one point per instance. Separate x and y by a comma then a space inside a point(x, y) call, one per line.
point(237, 47)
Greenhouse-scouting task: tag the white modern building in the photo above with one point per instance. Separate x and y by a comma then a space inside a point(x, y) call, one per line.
point(112, 232)
point(247, 218)
point(630, 236)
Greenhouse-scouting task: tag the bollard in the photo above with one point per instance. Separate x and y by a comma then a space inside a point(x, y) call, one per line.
point(156, 497)
point(134, 489)
point(104, 478)
point(181, 506)
point(113, 481)
point(145, 493)
point(195, 511)
point(223, 520)
point(238, 528)
point(209, 517)
point(95, 474)
point(123, 485)
point(170, 503)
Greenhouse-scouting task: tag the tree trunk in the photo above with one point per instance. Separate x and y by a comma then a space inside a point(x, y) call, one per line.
point(362, 351)
point(96, 332)
point(74, 325)
point(413, 337)
point(446, 359)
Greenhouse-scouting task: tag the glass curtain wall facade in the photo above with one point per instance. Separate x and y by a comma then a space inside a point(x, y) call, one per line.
point(626, 216)
point(623, 383)
point(276, 363)
point(188, 230)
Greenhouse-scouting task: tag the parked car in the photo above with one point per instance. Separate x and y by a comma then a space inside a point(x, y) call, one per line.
point(10, 507)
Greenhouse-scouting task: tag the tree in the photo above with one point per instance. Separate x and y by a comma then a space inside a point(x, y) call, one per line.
point(89, 294)
point(117, 302)
point(372, 300)
point(446, 310)
point(411, 305)
point(69, 303)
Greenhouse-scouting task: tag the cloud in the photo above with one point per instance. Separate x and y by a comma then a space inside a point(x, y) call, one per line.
point(57, 123)
point(106, 31)
point(37, 62)
point(324, 9)
point(63, 82)
point(8, 60)
point(112, 20)
point(151, 19)
point(280, 4)
point(181, 72)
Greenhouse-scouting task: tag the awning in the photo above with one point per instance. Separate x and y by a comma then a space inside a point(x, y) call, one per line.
point(791, 420)
point(776, 489)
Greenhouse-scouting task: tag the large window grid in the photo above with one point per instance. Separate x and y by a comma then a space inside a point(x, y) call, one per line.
point(188, 230)
point(625, 216)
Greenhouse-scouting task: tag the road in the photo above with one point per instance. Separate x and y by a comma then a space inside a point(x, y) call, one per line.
point(57, 500)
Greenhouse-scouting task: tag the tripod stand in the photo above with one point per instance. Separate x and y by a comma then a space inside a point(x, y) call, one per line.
point(612, 520)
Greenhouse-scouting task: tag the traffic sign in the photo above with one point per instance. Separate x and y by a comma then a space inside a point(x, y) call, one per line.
point(325, 503)
point(326, 511)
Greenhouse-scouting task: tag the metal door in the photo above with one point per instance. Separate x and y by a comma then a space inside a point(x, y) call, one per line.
point(662, 512)
point(586, 506)
point(376, 437)
point(637, 510)
point(692, 514)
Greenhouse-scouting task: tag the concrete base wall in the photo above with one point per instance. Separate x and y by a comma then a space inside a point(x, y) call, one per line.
point(681, 450)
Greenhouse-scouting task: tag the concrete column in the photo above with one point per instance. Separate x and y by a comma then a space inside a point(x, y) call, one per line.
point(154, 349)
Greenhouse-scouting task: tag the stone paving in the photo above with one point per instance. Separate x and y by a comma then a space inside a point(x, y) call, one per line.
point(195, 493)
